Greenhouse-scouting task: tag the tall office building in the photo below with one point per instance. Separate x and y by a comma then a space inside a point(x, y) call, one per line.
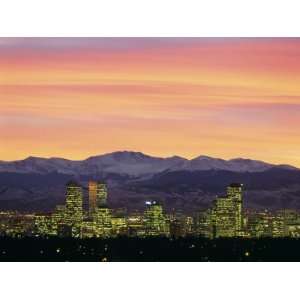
point(103, 219)
point(234, 192)
point(97, 195)
point(92, 196)
point(203, 224)
point(98, 209)
point(154, 219)
point(74, 209)
point(226, 215)
point(223, 218)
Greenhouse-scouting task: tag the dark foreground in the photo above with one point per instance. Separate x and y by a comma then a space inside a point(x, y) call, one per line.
point(150, 249)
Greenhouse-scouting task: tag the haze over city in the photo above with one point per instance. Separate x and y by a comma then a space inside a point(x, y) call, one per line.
point(222, 97)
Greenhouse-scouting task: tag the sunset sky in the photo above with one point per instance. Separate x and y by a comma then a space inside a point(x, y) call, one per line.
point(221, 97)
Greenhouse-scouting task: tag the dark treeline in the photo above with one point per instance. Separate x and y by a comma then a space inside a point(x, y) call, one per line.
point(148, 249)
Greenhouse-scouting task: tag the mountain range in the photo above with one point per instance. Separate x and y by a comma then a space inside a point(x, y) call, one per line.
point(133, 177)
point(133, 164)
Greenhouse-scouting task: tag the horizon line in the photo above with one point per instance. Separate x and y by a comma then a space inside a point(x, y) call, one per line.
point(153, 156)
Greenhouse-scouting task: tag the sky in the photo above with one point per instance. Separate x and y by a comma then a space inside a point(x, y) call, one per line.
point(220, 97)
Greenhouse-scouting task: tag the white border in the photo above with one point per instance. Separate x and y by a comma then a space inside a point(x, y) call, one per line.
point(256, 18)
point(149, 281)
point(149, 18)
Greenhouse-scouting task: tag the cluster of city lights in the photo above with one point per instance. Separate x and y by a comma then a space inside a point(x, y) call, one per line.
point(225, 218)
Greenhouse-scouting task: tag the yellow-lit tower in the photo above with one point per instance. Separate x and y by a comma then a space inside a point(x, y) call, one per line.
point(235, 193)
point(154, 219)
point(98, 208)
point(101, 195)
point(226, 215)
point(97, 195)
point(223, 217)
point(74, 210)
point(92, 196)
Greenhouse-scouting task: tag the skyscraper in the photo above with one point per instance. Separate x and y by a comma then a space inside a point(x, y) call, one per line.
point(223, 217)
point(203, 224)
point(226, 215)
point(155, 221)
point(98, 209)
point(103, 219)
point(97, 195)
point(234, 192)
point(74, 210)
point(92, 196)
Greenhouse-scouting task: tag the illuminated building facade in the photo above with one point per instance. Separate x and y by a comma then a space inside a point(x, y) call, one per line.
point(103, 219)
point(135, 224)
point(226, 215)
point(74, 210)
point(235, 193)
point(101, 215)
point(180, 225)
point(225, 218)
point(154, 219)
point(203, 224)
point(101, 197)
point(45, 225)
point(260, 224)
point(15, 224)
point(119, 226)
point(97, 195)
point(291, 223)
point(283, 223)
point(92, 196)
point(89, 229)
point(189, 225)
point(59, 213)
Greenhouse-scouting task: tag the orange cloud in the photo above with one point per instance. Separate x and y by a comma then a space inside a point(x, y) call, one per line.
point(220, 97)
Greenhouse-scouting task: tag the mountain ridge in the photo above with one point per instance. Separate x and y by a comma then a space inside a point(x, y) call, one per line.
point(134, 164)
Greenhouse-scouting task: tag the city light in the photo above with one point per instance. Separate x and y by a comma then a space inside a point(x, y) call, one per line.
point(225, 218)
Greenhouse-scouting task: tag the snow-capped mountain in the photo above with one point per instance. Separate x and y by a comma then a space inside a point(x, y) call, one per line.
point(133, 164)
point(202, 163)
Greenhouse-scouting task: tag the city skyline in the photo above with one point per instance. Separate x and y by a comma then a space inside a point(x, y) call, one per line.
point(221, 97)
point(225, 217)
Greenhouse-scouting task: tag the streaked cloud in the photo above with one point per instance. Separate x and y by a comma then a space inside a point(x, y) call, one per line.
point(75, 97)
